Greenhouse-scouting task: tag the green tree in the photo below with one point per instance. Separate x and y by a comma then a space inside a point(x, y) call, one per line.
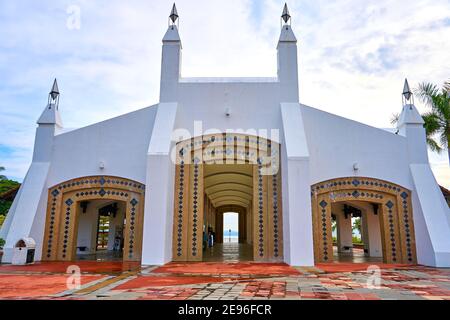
point(356, 226)
point(5, 186)
point(437, 119)
point(2, 177)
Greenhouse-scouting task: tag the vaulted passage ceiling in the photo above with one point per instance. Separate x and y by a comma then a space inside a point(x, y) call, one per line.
point(229, 184)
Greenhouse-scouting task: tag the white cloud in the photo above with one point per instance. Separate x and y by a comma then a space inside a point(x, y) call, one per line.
point(353, 55)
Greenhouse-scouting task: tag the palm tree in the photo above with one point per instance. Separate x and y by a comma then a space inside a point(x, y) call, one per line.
point(2, 177)
point(437, 120)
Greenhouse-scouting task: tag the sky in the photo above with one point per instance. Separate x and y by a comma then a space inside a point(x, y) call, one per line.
point(230, 222)
point(353, 57)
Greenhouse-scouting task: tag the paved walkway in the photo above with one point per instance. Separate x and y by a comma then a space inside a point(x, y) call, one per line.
point(225, 281)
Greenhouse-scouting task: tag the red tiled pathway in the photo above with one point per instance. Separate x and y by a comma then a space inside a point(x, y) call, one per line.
point(34, 286)
point(355, 267)
point(152, 281)
point(247, 268)
point(85, 267)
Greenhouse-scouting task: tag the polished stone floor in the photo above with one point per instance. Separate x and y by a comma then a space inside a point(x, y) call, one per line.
point(228, 252)
point(102, 256)
point(355, 256)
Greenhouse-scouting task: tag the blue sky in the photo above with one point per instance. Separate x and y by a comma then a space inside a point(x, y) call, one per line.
point(353, 57)
point(230, 221)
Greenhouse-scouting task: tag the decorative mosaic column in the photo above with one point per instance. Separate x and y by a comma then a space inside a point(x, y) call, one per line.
point(195, 230)
point(181, 213)
point(392, 252)
point(323, 233)
point(275, 222)
point(260, 219)
point(406, 223)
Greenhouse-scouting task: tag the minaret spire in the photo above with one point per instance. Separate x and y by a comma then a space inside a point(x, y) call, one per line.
point(51, 116)
point(287, 59)
point(173, 17)
point(410, 114)
point(286, 16)
point(53, 96)
point(408, 97)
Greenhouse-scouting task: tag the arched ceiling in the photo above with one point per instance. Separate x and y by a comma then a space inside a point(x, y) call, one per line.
point(229, 184)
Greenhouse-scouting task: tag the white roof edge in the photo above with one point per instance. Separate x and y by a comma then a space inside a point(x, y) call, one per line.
point(386, 130)
point(66, 130)
point(229, 80)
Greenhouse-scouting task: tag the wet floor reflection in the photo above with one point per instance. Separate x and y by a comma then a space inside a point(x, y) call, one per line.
point(354, 256)
point(229, 252)
point(101, 256)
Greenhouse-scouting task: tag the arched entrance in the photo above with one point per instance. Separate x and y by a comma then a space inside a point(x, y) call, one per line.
point(227, 170)
point(245, 223)
point(66, 203)
point(228, 247)
point(391, 207)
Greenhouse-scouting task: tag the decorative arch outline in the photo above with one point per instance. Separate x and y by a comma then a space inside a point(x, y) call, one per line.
point(395, 213)
point(63, 212)
point(192, 155)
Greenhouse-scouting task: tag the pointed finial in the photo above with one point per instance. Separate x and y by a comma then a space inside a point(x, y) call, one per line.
point(55, 90)
point(407, 95)
point(285, 15)
point(407, 91)
point(53, 96)
point(174, 14)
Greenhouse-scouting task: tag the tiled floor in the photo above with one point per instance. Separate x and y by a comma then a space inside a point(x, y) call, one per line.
point(102, 256)
point(356, 255)
point(228, 252)
point(226, 281)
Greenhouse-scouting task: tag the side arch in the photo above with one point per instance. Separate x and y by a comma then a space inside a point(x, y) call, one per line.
point(63, 214)
point(396, 216)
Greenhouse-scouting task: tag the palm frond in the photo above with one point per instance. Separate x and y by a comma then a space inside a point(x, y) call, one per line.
point(426, 91)
point(434, 146)
point(432, 123)
point(394, 118)
point(447, 86)
point(443, 139)
point(441, 105)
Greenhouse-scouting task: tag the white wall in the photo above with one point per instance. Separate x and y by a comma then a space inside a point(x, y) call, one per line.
point(87, 228)
point(336, 143)
point(121, 143)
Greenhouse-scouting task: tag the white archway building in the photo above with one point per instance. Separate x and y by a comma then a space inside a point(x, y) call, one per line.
point(314, 146)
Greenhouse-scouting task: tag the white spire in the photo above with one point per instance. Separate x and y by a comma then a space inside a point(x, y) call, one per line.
point(174, 14)
point(55, 90)
point(51, 114)
point(172, 34)
point(407, 94)
point(410, 114)
point(285, 15)
point(287, 35)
